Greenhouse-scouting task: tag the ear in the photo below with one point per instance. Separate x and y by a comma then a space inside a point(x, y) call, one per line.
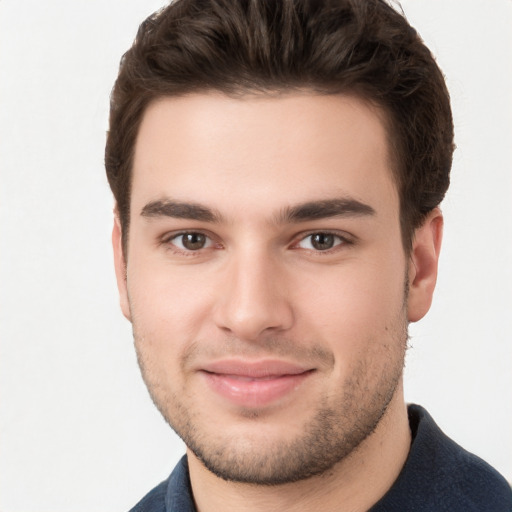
point(120, 265)
point(423, 264)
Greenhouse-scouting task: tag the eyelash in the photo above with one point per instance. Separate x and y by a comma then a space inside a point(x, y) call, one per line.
point(167, 241)
point(343, 239)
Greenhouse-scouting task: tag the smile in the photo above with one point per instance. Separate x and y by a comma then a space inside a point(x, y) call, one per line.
point(254, 384)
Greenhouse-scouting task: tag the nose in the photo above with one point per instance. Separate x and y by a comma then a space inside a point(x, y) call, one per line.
point(252, 300)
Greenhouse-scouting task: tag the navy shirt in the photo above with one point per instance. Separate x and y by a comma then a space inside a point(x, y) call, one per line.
point(438, 476)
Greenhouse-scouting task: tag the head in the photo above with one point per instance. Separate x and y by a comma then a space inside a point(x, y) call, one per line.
point(365, 49)
point(277, 168)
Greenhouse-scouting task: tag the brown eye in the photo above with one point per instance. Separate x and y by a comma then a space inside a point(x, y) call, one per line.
point(191, 241)
point(322, 241)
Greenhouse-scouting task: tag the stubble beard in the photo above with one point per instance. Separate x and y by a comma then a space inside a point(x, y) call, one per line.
point(328, 438)
point(336, 429)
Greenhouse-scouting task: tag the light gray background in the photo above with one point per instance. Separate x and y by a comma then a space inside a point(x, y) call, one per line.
point(77, 429)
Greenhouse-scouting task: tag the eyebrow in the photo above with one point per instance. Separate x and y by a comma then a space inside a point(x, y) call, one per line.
point(314, 210)
point(311, 210)
point(180, 210)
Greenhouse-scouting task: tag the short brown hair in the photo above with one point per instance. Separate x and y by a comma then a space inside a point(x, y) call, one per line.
point(361, 47)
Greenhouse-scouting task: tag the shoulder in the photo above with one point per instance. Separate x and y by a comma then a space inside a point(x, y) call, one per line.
point(171, 495)
point(460, 477)
point(439, 475)
point(154, 501)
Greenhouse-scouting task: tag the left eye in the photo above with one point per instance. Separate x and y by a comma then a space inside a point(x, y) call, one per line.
point(191, 241)
point(320, 241)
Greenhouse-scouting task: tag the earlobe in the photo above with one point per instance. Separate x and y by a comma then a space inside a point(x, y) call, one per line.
point(423, 264)
point(120, 265)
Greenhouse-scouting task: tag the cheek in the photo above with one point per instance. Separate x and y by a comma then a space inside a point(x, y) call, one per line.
point(355, 304)
point(165, 324)
point(167, 304)
point(360, 318)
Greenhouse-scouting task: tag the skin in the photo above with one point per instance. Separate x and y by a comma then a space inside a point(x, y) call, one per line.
point(236, 172)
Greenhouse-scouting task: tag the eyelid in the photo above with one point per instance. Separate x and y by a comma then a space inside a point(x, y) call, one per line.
point(169, 235)
point(346, 239)
point(167, 240)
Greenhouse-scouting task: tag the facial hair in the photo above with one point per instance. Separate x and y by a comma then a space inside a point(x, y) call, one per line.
point(337, 426)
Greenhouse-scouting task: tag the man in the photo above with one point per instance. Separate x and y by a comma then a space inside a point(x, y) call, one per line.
point(278, 168)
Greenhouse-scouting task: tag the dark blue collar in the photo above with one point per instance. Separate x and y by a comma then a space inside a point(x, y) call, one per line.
point(438, 476)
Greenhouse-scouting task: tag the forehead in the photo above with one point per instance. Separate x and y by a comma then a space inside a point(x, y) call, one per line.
point(261, 150)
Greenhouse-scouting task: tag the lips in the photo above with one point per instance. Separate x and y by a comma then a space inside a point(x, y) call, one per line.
point(254, 383)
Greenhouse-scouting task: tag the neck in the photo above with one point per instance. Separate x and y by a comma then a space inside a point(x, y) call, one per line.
point(354, 484)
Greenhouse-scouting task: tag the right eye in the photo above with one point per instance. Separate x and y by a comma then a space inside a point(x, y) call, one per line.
point(191, 241)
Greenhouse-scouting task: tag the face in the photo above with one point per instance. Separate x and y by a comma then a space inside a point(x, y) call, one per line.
point(266, 279)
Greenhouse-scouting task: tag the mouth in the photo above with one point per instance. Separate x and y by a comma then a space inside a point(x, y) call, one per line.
point(254, 384)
